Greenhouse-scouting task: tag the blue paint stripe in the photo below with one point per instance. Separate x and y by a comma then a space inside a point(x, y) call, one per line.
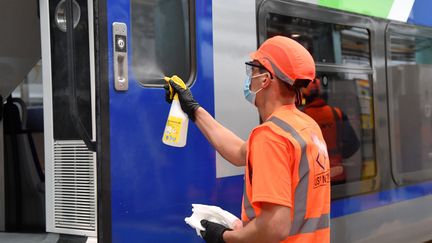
point(361, 203)
point(420, 13)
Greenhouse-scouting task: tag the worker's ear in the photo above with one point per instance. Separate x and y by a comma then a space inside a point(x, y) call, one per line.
point(266, 81)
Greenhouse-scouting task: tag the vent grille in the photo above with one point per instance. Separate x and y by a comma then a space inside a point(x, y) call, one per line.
point(74, 186)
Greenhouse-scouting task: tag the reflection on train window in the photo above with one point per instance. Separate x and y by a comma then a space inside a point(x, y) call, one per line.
point(160, 40)
point(328, 43)
point(341, 104)
point(409, 69)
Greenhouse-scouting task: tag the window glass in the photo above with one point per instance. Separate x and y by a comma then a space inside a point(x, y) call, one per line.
point(409, 69)
point(328, 43)
point(341, 104)
point(30, 90)
point(409, 49)
point(31, 93)
point(160, 40)
point(339, 100)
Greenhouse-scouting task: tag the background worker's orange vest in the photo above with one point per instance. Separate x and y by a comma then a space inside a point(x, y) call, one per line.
point(329, 119)
point(308, 182)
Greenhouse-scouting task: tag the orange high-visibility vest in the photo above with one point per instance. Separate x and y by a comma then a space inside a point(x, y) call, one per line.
point(288, 165)
point(329, 119)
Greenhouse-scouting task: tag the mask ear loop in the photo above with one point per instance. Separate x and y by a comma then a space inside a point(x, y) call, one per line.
point(297, 86)
point(298, 96)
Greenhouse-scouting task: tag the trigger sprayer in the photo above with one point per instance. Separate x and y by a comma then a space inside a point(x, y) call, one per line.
point(175, 133)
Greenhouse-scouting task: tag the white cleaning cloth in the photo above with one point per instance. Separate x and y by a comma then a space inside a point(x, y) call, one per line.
point(211, 213)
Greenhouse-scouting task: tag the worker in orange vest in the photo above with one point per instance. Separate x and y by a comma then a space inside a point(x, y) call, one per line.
point(340, 137)
point(287, 177)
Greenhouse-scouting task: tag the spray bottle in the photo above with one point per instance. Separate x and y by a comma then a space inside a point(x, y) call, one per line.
point(175, 133)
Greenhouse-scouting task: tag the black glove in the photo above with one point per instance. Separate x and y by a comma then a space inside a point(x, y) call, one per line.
point(214, 232)
point(168, 94)
point(187, 101)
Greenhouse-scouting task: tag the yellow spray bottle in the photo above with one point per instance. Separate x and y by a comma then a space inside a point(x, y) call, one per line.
point(175, 133)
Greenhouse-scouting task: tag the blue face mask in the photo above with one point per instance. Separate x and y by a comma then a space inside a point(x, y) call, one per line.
point(249, 95)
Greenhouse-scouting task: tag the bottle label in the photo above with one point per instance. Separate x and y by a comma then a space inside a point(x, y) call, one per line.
point(172, 129)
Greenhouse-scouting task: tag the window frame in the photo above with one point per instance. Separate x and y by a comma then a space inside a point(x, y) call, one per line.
point(401, 29)
point(321, 14)
point(192, 53)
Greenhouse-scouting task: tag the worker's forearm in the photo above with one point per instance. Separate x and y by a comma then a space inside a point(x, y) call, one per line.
point(254, 232)
point(272, 225)
point(229, 145)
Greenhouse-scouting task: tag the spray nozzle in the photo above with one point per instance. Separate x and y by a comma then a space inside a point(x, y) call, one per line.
point(171, 91)
point(177, 81)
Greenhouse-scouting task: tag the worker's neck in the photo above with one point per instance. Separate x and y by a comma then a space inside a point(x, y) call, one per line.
point(272, 105)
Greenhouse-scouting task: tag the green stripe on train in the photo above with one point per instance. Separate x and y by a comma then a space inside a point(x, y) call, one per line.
point(377, 8)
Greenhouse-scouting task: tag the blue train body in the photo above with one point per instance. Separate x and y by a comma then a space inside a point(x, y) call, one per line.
point(154, 185)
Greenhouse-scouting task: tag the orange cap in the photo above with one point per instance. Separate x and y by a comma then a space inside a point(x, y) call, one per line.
point(286, 59)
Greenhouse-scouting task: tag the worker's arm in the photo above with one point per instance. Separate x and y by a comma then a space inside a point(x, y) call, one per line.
point(272, 225)
point(229, 145)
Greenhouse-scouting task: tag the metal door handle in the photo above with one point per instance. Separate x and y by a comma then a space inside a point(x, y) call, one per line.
point(120, 56)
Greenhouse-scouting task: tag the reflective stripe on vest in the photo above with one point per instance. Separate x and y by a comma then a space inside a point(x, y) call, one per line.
point(247, 205)
point(300, 224)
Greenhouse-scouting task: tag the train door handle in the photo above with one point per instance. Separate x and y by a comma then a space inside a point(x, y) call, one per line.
point(120, 56)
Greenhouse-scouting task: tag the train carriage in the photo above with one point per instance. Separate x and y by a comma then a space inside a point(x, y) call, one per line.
point(109, 178)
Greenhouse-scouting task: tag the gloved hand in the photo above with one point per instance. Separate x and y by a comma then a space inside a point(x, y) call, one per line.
point(187, 101)
point(214, 232)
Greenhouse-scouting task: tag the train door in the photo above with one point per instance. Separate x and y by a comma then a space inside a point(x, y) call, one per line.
point(68, 52)
point(152, 185)
point(341, 45)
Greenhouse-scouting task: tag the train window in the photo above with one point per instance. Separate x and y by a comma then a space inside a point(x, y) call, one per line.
point(328, 43)
point(161, 42)
point(341, 104)
point(340, 100)
point(409, 72)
